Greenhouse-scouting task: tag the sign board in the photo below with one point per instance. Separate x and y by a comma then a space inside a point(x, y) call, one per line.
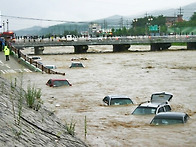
point(153, 28)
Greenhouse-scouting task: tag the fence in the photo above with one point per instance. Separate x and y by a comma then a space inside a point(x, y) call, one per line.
point(33, 62)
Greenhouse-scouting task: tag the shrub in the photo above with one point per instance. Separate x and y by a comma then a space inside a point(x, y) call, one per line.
point(33, 98)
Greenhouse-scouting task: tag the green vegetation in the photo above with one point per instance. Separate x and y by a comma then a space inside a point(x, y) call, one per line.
point(71, 128)
point(140, 26)
point(33, 98)
point(85, 127)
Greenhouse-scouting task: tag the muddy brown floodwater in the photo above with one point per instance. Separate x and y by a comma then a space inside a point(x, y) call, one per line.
point(135, 74)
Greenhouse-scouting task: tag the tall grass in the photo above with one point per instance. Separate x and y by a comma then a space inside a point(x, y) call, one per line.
point(33, 97)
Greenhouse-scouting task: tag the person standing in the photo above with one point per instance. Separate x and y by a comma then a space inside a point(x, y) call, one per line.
point(7, 52)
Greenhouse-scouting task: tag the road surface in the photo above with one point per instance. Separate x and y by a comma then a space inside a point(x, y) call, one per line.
point(11, 66)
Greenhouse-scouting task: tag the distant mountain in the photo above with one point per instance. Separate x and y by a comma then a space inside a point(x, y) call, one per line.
point(29, 31)
point(115, 21)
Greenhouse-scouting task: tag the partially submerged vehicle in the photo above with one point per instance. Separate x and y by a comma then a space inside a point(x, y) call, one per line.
point(169, 118)
point(159, 103)
point(117, 100)
point(76, 64)
point(36, 58)
point(151, 108)
point(58, 83)
point(50, 66)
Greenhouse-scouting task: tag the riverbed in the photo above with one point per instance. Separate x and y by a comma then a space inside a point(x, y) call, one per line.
point(137, 74)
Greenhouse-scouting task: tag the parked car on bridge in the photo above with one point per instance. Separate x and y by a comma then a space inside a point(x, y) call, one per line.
point(58, 83)
point(117, 100)
point(169, 118)
point(76, 64)
point(159, 103)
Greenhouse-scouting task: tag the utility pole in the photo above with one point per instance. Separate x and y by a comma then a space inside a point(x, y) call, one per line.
point(146, 14)
point(105, 25)
point(7, 25)
point(180, 15)
point(121, 22)
point(180, 11)
point(3, 26)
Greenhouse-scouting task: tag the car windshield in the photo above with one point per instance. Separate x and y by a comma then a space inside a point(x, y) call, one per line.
point(159, 121)
point(60, 83)
point(144, 110)
point(76, 65)
point(121, 101)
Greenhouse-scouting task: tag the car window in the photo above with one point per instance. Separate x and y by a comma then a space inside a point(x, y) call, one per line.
point(121, 101)
point(49, 82)
point(186, 118)
point(167, 108)
point(60, 83)
point(164, 121)
point(144, 110)
point(161, 109)
point(106, 100)
point(76, 65)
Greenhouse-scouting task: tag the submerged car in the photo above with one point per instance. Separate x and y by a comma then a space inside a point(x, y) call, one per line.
point(151, 108)
point(36, 58)
point(117, 100)
point(50, 66)
point(58, 82)
point(76, 64)
point(170, 118)
point(158, 103)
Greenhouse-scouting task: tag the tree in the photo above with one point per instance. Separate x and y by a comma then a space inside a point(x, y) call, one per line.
point(193, 17)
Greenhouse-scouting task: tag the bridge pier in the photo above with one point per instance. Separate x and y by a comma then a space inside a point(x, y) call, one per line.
point(80, 48)
point(191, 45)
point(159, 46)
point(121, 47)
point(38, 50)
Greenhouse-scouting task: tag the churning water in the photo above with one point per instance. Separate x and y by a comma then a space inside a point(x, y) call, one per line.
point(135, 74)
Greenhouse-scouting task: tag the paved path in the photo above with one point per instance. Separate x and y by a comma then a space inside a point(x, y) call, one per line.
point(11, 66)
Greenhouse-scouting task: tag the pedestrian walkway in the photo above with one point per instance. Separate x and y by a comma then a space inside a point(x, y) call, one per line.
point(11, 66)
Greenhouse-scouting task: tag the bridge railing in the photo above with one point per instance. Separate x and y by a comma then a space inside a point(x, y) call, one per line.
point(33, 62)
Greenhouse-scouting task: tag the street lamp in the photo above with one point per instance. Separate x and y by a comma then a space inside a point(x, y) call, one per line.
point(148, 24)
point(134, 21)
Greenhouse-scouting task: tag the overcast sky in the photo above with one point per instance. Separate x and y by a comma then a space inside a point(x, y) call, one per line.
point(78, 10)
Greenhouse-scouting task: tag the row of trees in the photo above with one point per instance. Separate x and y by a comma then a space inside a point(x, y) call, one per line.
point(141, 26)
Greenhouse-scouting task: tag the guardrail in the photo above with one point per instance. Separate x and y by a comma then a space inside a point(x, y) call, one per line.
point(32, 62)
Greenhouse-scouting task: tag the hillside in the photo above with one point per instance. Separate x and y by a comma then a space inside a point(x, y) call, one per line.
point(25, 127)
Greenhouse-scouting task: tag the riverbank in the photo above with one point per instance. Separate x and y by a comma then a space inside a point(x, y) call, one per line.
point(22, 126)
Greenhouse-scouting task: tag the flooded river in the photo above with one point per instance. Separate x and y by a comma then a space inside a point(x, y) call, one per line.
point(135, 74)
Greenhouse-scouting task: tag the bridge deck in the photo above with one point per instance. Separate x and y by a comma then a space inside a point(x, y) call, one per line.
point(108, 41)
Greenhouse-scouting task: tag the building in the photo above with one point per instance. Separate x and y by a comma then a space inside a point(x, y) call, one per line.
point(171, 20)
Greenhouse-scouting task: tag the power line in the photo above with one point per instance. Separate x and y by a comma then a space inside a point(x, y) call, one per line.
point(39, 19)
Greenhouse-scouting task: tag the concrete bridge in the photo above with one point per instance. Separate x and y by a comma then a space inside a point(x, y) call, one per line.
point(120, 44)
